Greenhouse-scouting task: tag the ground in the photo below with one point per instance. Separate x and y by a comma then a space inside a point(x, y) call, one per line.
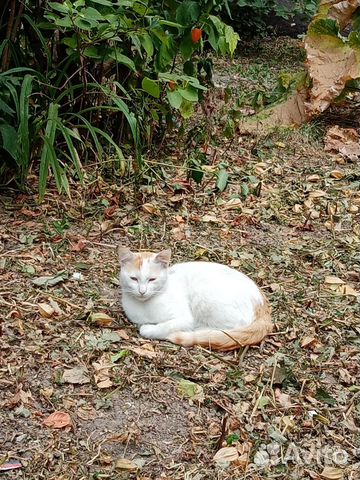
point(139, 409)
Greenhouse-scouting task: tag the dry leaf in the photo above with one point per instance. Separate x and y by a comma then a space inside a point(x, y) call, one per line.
point(226, 455)
point(332, 473)
point(46, 310)
point(282, 398)
point(313, 178)
point(150, 208)
point(77, 375)
point(317, 194)
point(125, 464)
point(235, 263)
point(344, 141)
point(101, 319)
point(338, 286)
point(210, 218)
point(86, 413)
point(102, 373)
point(232, 204)
point(310, 342)
point(337, 174)
point(122, 334)
point(288, 422)
point(79, 246)
point(143, 351)
point(58, 420)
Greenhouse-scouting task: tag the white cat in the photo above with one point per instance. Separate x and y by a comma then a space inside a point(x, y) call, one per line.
point(194, 303)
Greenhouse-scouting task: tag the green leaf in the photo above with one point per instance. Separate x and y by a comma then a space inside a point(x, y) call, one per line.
point(191, 390)
point(4, 107)
point(90, 13)
point(123, 59)
point(59, 7)
point(325, 397)
point(151, 87)
point(23, 131)
point(117, 356)
point(147, 44)
point(218, 24)
point(187, 46)
point(189, 68)
point(107, 3)
point(188, 13)
point(231, 38)
point(71, 42)
point(92, 52)
point(186, 109)
point(354, 40)
point(64, 22)
point(175, 99)
point(190, 93)
point(9, 139)
point(47, 150)
point(85, 24)
point(51, 280)
point(222, 179)
point(233, 438)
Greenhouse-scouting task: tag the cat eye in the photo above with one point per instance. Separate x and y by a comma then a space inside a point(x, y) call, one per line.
point(134, 278)
point(152, 279)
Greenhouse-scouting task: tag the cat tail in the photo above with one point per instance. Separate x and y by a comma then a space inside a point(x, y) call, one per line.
point(229, 339)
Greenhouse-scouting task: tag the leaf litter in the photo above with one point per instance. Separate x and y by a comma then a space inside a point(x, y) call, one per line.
point(285, 409)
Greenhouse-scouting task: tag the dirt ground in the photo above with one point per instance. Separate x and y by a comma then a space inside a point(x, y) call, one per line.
point(139, 409)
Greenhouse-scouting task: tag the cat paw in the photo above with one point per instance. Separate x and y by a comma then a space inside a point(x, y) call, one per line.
point(149, 331)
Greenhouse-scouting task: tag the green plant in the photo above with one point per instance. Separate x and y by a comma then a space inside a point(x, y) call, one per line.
point(97, 79)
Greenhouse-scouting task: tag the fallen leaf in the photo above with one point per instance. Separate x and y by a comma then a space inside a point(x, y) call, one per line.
point(232, 204)
point(122, 334)
point(58, 420)
point(86, 413)
point(226, 455)
point(282, 398)
point(143, 352)
point(337, 174)
point(191, 390)
point(46, 310)
point(150, 208)
point(125, 464)
point(344, 141)
point(235, 263)
point(310, 342)
point(288, 422)
point(101, 319)
point(313, 178)
point(345, 376)
point(51, 280)
point(317, 194)
point(79, 246)
point(210, 219)
point(338, 286)
point(77, 375)
point(332, 473)
point(102, 373)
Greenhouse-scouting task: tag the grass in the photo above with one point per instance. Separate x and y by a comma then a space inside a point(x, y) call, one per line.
point(292, 399)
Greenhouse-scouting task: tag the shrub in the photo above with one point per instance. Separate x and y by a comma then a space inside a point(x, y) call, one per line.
point(98, 78)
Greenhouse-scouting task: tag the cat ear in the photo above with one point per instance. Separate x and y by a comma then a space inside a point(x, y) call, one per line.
point(163, 257)
point(125, 255)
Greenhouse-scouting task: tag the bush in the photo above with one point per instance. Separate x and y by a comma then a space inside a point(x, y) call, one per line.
point(98, 79)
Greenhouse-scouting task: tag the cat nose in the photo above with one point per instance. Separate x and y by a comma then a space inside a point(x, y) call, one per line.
point(142, 290)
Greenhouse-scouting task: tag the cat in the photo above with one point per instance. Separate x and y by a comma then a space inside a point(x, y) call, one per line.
point(193, 303)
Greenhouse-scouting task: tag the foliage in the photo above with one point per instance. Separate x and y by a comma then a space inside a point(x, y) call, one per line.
point(252, 17)
point(92, 79)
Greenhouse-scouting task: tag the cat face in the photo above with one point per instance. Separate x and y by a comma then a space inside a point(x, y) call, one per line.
point(143, 275)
